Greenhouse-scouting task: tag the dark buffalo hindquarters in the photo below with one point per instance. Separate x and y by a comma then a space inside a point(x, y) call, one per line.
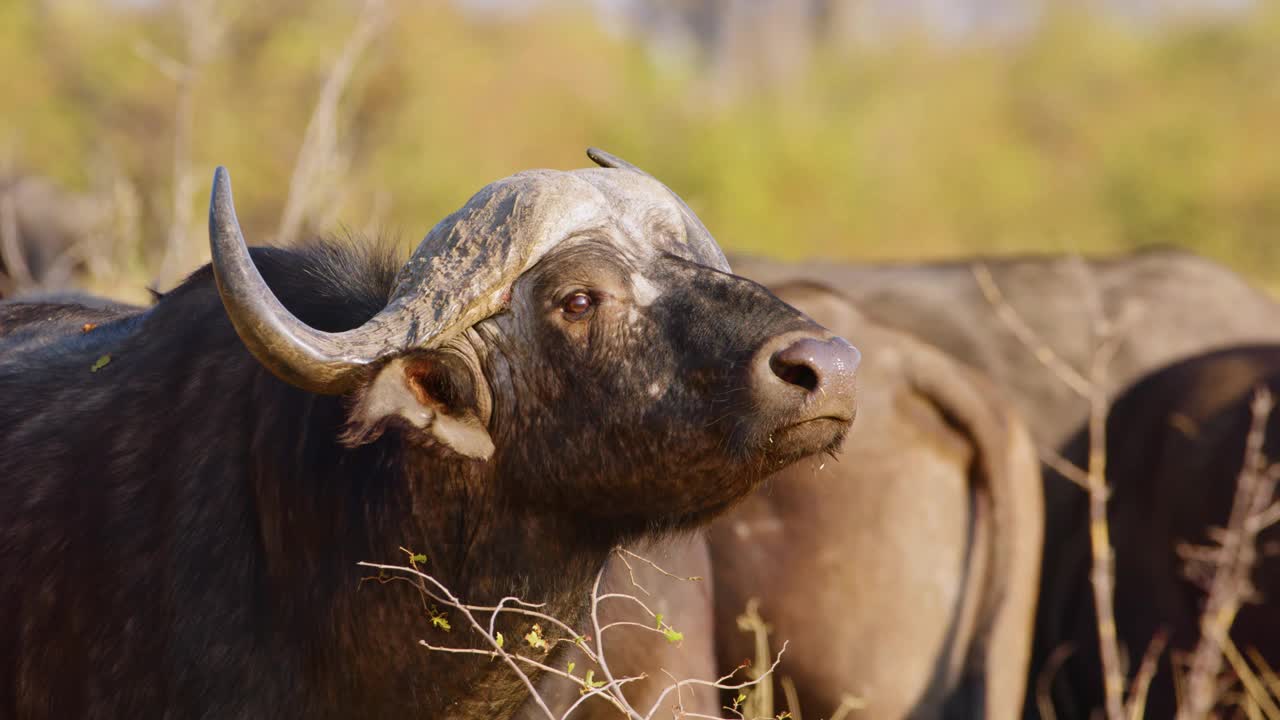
point(564, 364)
point(1175, 447)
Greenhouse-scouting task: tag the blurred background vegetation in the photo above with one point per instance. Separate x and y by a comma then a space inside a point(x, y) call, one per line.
point(867, 129)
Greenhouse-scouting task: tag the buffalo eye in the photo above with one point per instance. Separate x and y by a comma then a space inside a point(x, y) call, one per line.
point(577, 306)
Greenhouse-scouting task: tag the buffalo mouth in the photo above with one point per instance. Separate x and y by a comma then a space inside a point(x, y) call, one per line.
point(822, 430)
point(809, 436)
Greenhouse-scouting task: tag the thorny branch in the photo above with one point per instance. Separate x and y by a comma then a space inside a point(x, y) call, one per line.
point(624, 553)
point(1232, 560)
point(608, 687)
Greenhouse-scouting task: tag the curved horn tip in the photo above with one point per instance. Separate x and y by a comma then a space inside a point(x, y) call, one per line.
point(609, 160)
point(221, 205)
point(221, 178)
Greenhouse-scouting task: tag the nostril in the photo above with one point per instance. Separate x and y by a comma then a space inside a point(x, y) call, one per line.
point(799, 374)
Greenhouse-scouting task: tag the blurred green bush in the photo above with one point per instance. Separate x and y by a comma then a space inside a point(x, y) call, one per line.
point(1080, 135)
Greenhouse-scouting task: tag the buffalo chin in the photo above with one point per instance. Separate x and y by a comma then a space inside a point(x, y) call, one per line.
point(789, 445)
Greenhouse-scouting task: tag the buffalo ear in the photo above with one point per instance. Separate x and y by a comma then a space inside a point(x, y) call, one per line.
point(433, 395)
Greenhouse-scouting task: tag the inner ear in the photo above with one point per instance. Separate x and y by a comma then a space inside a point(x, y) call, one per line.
point(433, 396)
point(440, 381)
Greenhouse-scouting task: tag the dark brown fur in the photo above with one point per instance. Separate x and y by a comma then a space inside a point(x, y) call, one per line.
point(179, 529)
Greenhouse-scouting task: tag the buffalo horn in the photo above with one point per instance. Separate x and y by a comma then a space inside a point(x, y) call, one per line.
point(317, 361)
point(693, 225)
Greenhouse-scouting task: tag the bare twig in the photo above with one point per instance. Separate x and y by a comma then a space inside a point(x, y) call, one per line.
point(11, 247)
point(1264, 669)
point(320, 140)
point(608, 688)
point(1093, 388)
point(624, 553)
point(1254, 688)
point(1142, 681)
point(496, 649)
point(1027, 336)
point(1229, 584)
point(202, 30)
point(1102, 574)
point(631, 572)
point(1064, 467)
point(1044, 682)
point(1266, 518)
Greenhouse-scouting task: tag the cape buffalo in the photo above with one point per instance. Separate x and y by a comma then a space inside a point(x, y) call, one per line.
point(1176, 444)
point(562, 365)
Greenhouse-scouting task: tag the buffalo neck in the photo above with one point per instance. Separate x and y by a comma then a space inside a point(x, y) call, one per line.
point(324, 508)
point(287, 513)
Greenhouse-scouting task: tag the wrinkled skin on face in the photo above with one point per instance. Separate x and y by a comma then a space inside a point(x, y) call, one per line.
point(649, 388)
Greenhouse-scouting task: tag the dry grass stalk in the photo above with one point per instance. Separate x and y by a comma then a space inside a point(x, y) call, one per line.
point(1265, 672)
point(1255, 692)
point(1093, 389)
point(760, 702)
point(793, 697)
point(1102, 575)
point(1142, 681)
point(1044, 682)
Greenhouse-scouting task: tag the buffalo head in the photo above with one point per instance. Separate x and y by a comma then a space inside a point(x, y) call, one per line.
point(580, 334)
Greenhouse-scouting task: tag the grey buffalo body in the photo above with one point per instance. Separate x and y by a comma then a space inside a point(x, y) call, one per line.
point(185, 490)
point(1167, 304)
point(905, 573)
